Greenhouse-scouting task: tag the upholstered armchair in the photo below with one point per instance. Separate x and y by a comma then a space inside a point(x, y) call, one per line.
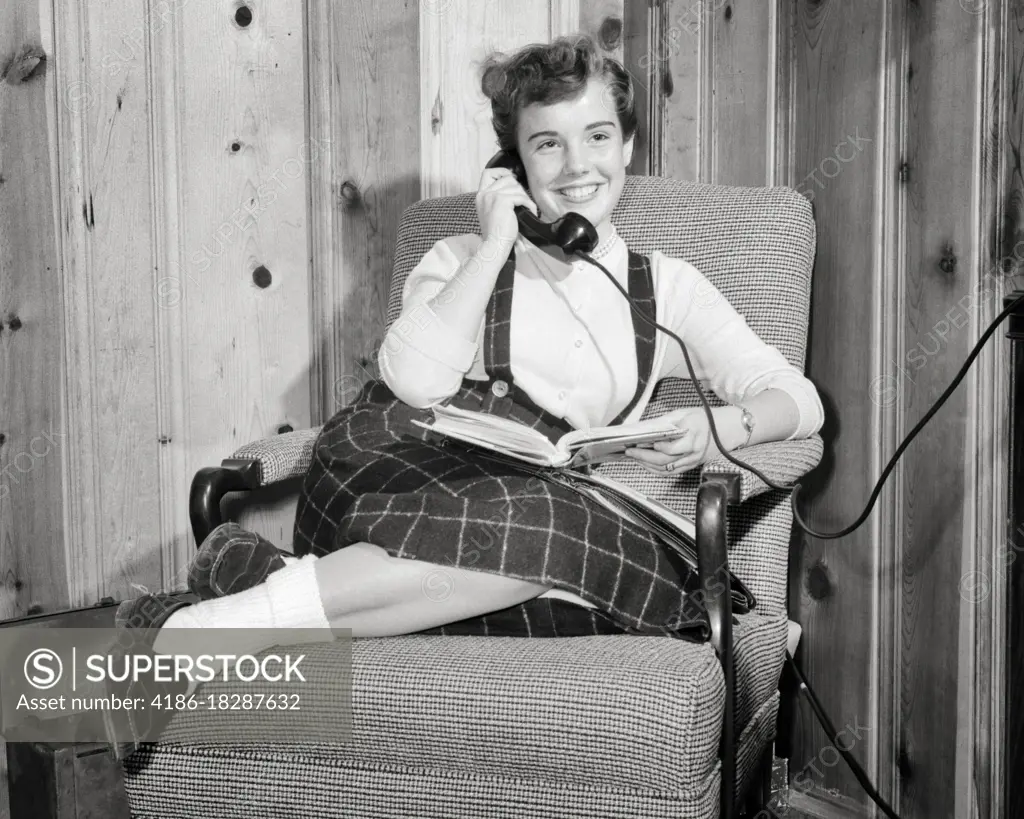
point(608, 726)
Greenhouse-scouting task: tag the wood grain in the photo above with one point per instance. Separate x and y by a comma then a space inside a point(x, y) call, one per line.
point(456, 135)
point(245, 283)
point(742, 110)
point(982, 684)
point(602, 19)
point(112, 490)
point(1007, 229)
point(564, 17)
point(888, 282)
point(942, 266)
point(682, 89)
point(33, 568)
point(365, 59)
point(836, 91)
point(31, 419)
point(640, 61)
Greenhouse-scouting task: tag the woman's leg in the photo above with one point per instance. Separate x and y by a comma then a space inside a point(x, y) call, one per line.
point(365, 589)
point(360, 587)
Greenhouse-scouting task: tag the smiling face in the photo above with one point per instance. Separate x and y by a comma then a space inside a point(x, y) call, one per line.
point(575, 156)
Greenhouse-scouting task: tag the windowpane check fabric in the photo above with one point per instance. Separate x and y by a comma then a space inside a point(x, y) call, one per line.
point(378, 478)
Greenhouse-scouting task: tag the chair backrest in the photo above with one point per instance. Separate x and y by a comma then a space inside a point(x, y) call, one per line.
point(756, 245)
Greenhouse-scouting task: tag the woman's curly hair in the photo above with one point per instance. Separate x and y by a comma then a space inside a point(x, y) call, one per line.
point(552, 72)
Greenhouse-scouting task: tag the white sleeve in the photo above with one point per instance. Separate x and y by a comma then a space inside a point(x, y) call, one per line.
point(422, 359)
point(725, 351)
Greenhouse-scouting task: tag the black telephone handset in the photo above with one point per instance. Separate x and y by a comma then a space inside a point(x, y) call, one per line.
point(571, 232)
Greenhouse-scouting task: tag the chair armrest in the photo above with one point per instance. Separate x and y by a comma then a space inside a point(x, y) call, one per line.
point(260, 463)
point(281, 457)
point(781, 461)
point(714, 495)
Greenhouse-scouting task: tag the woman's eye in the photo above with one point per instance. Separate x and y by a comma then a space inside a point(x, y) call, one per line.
point(601, 137)
point(547, 144)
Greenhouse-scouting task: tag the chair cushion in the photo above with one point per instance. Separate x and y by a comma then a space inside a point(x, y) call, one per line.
point(629, 713)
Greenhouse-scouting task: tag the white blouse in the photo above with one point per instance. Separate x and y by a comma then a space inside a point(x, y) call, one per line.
point(572, 338)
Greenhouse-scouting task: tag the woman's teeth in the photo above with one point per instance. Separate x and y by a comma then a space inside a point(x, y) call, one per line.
point(580, 194)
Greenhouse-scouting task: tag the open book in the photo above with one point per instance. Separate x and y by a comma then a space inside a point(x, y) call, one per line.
point(574, 449)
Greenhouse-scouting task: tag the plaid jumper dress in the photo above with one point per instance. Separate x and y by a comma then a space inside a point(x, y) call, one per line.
point(378, 478)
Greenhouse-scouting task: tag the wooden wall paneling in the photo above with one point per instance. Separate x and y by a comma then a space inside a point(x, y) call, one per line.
point(112, 486)
point(456, 134)
point(641, 60)
point(245, 283)
point(888, 284)
point(781, 91)
point(680, 88)
point(942, 265)
point(742, 107)
point(602, 19)
point(835, 586)
point(1011, 220)
point(170, 141)
point(31, 349)
point(364, 97)
point(981, 713)
point(33, 564)
point(564, 17)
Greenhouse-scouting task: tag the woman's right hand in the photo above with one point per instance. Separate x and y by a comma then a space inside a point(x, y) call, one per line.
point(498, 195)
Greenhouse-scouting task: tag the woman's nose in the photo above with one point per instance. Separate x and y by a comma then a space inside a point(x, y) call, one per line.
point(576, 163)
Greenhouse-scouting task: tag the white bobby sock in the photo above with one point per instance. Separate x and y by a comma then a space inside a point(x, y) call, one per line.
point(288, 598)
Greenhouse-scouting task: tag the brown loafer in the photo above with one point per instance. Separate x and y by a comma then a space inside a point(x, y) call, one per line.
point(232, 559)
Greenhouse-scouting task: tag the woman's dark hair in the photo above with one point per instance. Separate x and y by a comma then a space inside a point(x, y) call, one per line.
point(552, 72)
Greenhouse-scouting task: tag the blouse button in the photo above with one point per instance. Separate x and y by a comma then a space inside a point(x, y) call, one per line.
point(499, 388)
point(561, 394)
point(579, 342)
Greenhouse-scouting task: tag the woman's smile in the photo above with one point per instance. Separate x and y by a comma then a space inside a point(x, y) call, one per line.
point(577, 193)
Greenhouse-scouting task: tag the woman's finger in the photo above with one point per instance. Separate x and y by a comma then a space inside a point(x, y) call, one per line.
point(675, 446)
point(650, 457)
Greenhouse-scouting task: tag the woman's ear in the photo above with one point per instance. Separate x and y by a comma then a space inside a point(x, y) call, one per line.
point(627, 152)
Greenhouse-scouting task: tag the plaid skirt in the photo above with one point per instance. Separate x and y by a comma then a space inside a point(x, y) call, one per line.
point(376, 477)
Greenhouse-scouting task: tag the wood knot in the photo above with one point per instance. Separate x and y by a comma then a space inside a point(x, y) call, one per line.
point(34, 609)
point(728, 12)
point(14, 324)
point(243, 16)
point(819, 586)
point(25, 65)
point(610, 33)
point(947, 264)
point(261, 277)
point(349, 194)
point(903, 765)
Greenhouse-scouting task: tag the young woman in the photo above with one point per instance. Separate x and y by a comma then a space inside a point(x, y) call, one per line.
point(397, 534)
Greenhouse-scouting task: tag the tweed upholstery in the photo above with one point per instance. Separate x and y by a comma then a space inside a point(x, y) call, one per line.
point(640, 717)
point(282, 457)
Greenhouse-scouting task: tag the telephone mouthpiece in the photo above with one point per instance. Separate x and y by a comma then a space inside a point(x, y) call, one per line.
point(574, 234)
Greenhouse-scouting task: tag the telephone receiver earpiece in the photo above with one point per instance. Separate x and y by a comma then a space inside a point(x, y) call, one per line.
point(572, 232)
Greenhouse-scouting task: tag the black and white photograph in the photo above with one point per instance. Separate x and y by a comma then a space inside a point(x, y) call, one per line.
point(456, 409)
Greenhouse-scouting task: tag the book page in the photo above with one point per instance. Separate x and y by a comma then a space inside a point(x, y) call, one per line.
point(642, 430)
point(486, 439)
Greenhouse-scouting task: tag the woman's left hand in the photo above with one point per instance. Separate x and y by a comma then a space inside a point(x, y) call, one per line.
point(694, 446)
